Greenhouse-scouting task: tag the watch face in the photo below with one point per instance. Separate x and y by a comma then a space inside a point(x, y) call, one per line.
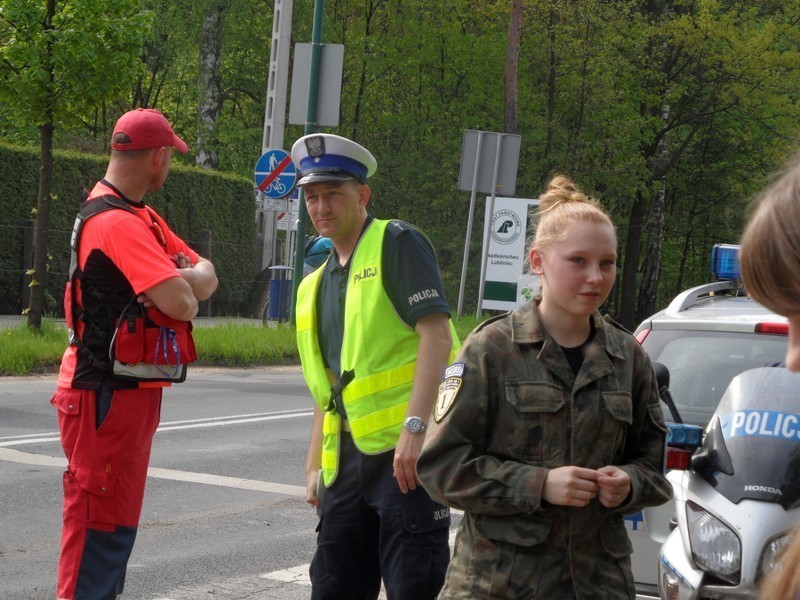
point(414, 424)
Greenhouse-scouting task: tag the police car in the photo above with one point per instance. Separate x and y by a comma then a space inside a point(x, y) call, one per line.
point(705, 337)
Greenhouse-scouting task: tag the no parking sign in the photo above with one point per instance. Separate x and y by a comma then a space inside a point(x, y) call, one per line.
point(275, 174)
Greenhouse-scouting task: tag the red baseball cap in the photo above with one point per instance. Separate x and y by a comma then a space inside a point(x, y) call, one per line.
point(146, 128)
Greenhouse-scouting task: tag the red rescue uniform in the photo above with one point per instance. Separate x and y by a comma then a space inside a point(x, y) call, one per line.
point(107, 425)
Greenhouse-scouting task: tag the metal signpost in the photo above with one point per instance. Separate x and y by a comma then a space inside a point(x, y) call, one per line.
point(317, 97)
point(275, 175)
point(274, 122)
point(489, 163)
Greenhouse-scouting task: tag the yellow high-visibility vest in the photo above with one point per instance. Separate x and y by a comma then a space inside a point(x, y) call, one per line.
point(378, 346)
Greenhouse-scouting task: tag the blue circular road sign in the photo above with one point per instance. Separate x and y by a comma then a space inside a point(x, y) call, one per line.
point(275, 174)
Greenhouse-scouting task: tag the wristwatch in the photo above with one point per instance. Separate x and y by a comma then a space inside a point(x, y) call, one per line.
point(414, 424)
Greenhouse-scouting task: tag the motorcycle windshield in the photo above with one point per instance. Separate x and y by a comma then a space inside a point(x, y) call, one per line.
point(752, 443)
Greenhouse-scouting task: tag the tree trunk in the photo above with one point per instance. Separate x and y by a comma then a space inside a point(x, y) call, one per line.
point(655, 227)
point(630, 266)
point(652, 259)
point(371, 9)
point(511, 98)
point(42, 229)
point(209, 104)
point(551, 85)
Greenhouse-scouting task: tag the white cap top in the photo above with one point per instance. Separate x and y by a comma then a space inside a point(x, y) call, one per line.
point(328, 157)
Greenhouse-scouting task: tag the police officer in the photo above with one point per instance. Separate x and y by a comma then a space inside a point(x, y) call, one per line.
point(548, 428)
point(374, 336)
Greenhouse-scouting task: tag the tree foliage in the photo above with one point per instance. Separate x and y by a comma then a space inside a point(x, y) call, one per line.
point(90, 54)
point(55, 62)
point(672, 112)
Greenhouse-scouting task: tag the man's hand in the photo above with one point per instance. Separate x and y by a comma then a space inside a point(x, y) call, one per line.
point(311, 488)
point(570, 486)
point(145, 299)
point(408, 449)
point(182, 261)
point(200, 276)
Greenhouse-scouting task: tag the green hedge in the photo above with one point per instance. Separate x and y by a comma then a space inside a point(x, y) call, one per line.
point(192, 200)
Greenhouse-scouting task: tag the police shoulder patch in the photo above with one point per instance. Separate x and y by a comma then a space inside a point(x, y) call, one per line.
point(448, 390)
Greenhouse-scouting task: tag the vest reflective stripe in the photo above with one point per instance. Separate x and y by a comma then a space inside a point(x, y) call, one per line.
point(377, 398)
point(384, 423)
point(314, 371)
point(377, 345)
point(330, 446)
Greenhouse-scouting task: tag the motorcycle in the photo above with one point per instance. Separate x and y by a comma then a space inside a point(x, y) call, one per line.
point(738, 499)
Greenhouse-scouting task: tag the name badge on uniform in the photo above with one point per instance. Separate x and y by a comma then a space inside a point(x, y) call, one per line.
point(448, 390)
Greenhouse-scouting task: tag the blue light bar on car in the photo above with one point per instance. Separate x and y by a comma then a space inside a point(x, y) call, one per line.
point(684, 436)
point(725, 261)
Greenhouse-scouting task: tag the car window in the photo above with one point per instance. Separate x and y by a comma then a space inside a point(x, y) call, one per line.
point(702, 364)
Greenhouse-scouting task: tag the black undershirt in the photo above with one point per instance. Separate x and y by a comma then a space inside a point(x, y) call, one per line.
point(575, 355)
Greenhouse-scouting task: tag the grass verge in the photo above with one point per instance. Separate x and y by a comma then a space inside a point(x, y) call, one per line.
point(24, 351)
point(232, 345)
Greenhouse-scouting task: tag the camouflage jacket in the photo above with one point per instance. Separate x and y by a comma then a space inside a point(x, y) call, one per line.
point(509, 409)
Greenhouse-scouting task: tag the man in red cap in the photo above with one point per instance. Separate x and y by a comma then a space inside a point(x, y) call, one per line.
point(127, 266)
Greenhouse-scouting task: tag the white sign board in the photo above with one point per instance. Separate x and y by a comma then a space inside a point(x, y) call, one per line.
point(509, 282)
point(287, 214)
point(329, 84)
point(485, 161)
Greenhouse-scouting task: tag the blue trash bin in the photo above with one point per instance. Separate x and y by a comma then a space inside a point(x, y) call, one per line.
point(280, 290)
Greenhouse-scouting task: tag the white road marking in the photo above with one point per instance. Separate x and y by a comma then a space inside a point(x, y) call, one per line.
point(16, 456)
point(231, 482)
point(26, 458)
point(40, 438)
point(298, 574)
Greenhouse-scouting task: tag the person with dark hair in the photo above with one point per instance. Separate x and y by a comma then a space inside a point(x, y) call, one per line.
point(548, 428)
point(374, 336)
point(134, 286)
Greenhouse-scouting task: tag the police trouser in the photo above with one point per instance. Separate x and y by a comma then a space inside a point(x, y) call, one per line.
point(106, 436)
point(369, 529)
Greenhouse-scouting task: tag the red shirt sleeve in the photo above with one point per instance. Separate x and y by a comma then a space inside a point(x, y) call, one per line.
point(128, 241)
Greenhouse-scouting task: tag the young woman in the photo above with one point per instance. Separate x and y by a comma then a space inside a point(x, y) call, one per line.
point(770, 262)
point(548, 428)
point(770, 255)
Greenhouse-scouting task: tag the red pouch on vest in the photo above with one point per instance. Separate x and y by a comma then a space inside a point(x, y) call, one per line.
point(150, 346)
point(128, 345)
point(171, 342)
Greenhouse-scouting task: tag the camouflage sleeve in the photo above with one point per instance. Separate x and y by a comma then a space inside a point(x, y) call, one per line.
point(457, 466)
point(646, 442)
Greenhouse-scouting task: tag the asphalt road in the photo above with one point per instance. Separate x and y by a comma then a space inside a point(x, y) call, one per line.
point(224, 514)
